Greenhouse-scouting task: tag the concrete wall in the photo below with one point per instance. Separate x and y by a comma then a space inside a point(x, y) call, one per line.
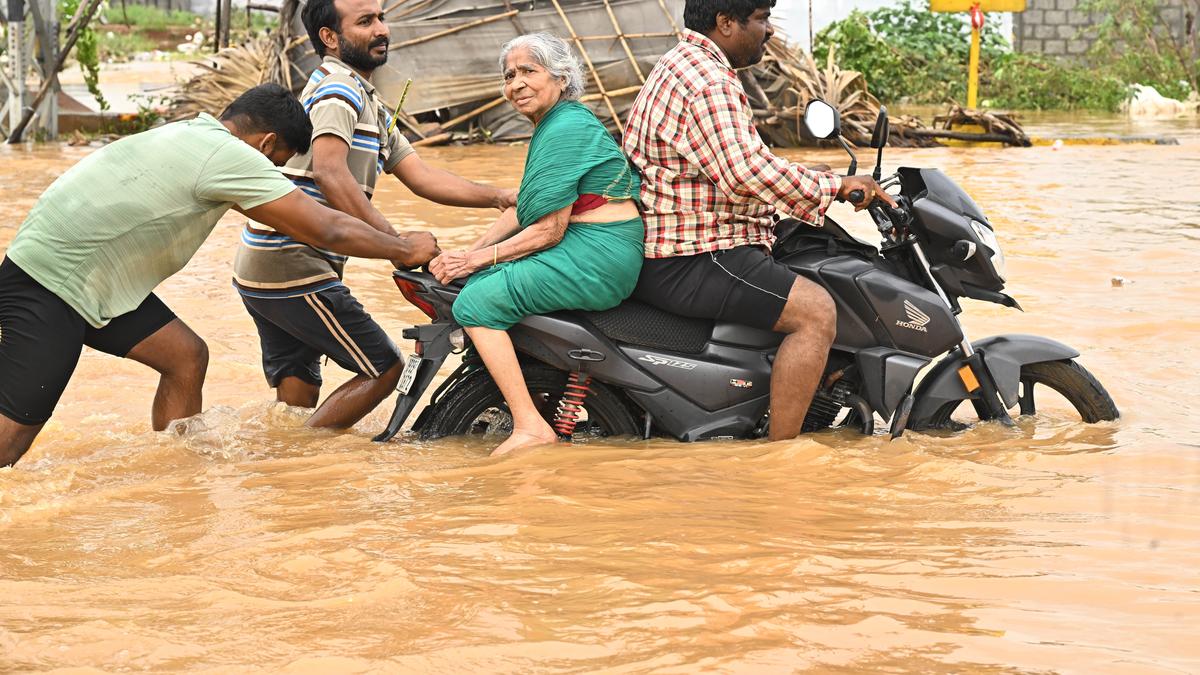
point(1060, 28)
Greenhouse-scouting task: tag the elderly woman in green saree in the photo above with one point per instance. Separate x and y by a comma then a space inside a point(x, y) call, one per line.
point(574, 240)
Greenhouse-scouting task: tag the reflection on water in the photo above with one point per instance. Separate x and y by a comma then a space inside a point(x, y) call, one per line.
point(247, 540)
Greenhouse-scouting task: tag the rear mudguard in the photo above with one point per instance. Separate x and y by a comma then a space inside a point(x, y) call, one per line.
point(1002, 354)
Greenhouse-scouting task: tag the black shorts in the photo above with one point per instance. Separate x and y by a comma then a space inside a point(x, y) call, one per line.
point(295, 332)
point(41, 338)
point(741, 285)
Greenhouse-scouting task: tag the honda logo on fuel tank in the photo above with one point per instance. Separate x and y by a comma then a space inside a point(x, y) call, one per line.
point(916, 318)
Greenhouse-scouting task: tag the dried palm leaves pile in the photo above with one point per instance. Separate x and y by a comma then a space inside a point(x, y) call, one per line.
point(788, 78)
point(229, 73)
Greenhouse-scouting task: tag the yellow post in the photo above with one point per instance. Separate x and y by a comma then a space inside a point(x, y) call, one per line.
point(975, 8)
point(973, 70)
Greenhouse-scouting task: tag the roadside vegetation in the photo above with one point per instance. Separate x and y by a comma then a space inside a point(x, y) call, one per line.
point(126, 32)
point(911, 55)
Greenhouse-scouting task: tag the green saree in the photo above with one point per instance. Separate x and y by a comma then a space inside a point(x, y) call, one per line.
point(596, 265)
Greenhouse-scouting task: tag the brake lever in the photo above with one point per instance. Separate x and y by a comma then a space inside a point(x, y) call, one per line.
point(886, 217)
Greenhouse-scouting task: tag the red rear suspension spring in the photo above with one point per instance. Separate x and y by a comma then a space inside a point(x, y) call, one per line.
point(571, 403)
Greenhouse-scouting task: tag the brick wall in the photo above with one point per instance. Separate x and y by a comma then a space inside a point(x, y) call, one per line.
point(1060, 28)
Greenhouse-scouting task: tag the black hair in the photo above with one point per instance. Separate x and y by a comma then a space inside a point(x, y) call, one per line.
point(701, 15)
point(270, 108)
point(318, 14)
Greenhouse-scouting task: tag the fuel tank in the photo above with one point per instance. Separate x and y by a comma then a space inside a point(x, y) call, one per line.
point(877, 308)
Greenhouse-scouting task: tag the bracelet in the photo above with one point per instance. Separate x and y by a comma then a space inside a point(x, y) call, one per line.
point(495, 254)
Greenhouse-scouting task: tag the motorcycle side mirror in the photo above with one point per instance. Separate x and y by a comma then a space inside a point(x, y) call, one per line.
point(823, 121)
point(879, 138)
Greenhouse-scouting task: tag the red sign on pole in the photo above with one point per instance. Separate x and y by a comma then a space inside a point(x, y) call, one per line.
point(976, 17)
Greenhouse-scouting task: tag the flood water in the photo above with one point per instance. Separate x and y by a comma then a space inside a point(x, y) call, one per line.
point(254, 544)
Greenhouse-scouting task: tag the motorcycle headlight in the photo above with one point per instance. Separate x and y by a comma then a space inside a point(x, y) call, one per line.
point(988, 238)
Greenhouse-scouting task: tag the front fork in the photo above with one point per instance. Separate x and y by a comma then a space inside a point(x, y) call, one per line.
point(434, 345)
point(985, 395)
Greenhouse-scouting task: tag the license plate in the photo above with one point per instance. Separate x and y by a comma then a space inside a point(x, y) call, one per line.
point(409, 374)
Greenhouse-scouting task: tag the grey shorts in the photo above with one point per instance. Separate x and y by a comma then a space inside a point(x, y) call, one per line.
point(295, 332)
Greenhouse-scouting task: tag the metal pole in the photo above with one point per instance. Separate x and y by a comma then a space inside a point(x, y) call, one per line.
point(226, 17)
point(810, 27)
point(80, 22)
point(18, 66)
point(46, 29)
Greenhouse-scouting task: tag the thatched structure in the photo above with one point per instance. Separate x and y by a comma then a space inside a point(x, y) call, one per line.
point(449, 49)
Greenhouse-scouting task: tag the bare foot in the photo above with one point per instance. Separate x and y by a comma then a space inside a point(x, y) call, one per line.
point(526, 439)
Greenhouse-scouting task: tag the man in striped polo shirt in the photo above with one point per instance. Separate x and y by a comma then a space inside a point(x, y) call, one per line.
point(293, 291)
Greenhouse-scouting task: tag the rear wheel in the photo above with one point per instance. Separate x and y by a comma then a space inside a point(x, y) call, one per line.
point(474, 405)
point(1047, 385)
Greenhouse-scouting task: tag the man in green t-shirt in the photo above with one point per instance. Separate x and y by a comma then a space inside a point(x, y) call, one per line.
point(83, 265)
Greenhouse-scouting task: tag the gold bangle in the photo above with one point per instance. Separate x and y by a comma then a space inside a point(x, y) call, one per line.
point(495, 254)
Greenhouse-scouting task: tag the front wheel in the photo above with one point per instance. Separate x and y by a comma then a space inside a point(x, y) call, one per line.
point(474, 405)
point(1067, 380)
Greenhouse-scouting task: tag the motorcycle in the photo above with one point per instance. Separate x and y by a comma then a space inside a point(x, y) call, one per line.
point(636, 370)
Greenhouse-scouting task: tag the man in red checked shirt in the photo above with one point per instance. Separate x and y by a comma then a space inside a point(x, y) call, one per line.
point(711, 191)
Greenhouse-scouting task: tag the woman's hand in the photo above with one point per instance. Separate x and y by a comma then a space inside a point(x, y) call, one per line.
point(452, 265)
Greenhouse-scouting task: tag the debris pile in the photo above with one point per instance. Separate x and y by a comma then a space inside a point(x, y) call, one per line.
point(449, 49)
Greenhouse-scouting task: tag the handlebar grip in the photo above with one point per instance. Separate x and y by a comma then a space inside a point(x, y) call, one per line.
point(856, 196)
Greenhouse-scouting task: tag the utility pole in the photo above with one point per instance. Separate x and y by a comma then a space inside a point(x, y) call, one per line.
point(224, 14)
point(18, 63)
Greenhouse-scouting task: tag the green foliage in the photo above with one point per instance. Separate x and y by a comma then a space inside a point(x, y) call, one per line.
point(150, 17)
point(259, 21)
point(907, 51)
point(119, 46)
point(149, 114)
point(1026, 81)
point(1168, 60)
point(87, 51)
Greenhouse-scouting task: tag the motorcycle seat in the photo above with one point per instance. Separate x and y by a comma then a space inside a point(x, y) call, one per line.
point(639, 324)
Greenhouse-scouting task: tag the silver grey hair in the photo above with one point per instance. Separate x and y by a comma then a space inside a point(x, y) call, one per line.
point(555, 55)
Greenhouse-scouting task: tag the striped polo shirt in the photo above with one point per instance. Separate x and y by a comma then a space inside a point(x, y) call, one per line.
point(270, 264)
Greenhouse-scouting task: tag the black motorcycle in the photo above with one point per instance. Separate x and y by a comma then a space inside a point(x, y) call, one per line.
point(638, 370)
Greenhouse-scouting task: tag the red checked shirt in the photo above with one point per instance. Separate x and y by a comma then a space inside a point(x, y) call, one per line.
point(708, 181)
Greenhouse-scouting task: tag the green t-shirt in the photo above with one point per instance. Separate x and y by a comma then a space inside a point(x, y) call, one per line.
point(133, 213)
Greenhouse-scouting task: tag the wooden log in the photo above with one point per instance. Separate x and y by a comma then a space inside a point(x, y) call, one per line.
point(624, 91)
point(627, 36)
point(670, 19)
point(588, 60)
point(453, 29)
point(478, 111)
point(436, 139)
point(961, 136)
point(624, 43)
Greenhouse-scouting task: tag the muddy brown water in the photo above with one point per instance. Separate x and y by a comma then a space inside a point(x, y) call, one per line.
point(253, 544)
